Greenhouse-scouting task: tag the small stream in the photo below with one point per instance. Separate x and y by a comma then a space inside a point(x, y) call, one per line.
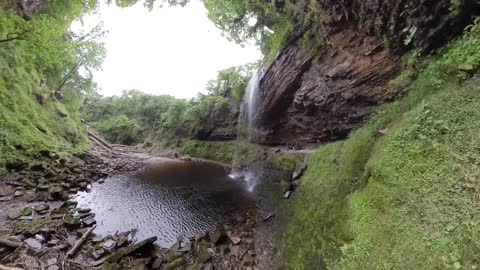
point(170, 199)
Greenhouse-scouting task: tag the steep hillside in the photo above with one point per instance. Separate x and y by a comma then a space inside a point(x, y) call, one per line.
point(402, 191)
point(41, 85)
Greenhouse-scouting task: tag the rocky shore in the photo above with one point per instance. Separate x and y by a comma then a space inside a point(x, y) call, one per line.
point(42, 227)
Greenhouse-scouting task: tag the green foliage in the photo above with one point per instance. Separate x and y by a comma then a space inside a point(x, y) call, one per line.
point(165, 118)
point(40, 48)
point(286, 162)
point(217, 151)
point(406, 200)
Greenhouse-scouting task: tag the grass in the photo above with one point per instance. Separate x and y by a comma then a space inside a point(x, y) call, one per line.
point(227, 152)
point(26, 126)
point(408, 199)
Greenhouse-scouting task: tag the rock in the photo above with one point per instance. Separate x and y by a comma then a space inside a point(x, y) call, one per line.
point(70, 222)
point(194, 266)
point(208, 266)
point(203, 256)
point(43, 187)
point(248, 260)
point(57, 193)
point(235, 251)
point(53, 243)
point(89, 222)
point(41, 196)
point(40, 238)
point(200, 237)
point(235, 240)
point(98, 253)
point(217, 236)
point(41, 207)
point(269, 217)
point(175, 264)
point(122, 240)
point(37, 167)
point(19, 193)
point(223, 249)
point(125, 251)
point(5, 199)
point(33, 243)
point(110, 245)
point(287, 194)
point(84, 210)
point(157, 263)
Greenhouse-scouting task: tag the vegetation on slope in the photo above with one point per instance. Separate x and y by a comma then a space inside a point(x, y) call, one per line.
point(35, 49)
point(136, 117)
point(407, 199)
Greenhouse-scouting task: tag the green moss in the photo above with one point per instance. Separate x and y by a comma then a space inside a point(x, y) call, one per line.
point(226, 152)
point(286, 162)
point(28, 126)
point(405, 200)
point(217, 151)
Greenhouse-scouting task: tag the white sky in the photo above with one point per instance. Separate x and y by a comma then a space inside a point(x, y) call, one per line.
point(171, 50)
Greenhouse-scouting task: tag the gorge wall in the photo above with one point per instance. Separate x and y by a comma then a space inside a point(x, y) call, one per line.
point(319, 91)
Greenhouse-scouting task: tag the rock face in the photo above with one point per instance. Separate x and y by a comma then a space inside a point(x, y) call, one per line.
point(221, 125)
point(306, 99)
point(314, 93)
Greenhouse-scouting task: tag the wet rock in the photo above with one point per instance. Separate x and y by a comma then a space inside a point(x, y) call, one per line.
point(110, 245)
point(122, 240)
point(200, 237)
point(89, 222)
point(33, 243)
point(84, 210)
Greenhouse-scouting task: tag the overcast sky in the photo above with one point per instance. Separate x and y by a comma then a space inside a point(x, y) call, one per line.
point(165, 51)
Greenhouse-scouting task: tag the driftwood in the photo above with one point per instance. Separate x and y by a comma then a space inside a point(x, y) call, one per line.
point(80, 242)
point(10, 244)
point(9, 268)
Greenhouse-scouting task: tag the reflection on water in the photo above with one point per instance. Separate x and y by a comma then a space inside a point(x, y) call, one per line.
point(171, 199)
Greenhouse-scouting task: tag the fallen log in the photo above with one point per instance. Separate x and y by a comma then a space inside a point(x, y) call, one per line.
point(80, 242)
point(10, 244)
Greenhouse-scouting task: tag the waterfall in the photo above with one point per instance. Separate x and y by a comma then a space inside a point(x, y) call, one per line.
point(247, 132)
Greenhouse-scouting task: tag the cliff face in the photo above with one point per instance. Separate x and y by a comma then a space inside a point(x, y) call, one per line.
point(321, 96)
point(314, 99)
